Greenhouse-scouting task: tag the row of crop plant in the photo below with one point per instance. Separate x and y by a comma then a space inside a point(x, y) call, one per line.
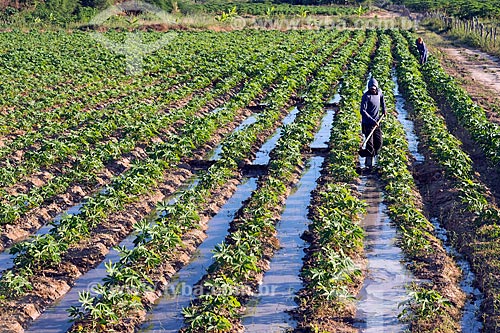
point(331, 272)
point(434, 305)
point(241, 260)
point(475, 218)
point(52, 141)
point(149, 119)
point(134, 181)
point(282, 9)
point(143, 175)
point(194, 72)
point(35, 60)
point(471, 116)
point(331, 269)
point(59, 66)
point(183, 216)
point(59, 110)
point(89, 167)
point(41, 101)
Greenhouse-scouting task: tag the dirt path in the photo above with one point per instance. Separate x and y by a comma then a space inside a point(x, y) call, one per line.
point(381, 14)
point(473, 67)
point(476, 71)
point(482, 67)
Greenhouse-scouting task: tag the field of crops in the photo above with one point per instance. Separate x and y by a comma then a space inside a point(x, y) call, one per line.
point(110, 183)
point(243, 8)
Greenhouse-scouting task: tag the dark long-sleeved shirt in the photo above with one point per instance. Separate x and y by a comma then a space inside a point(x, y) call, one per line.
point(422, 48)
point(372, 106)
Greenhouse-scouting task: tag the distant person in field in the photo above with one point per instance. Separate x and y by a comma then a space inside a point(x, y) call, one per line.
point(422, 50)
point(372, 109)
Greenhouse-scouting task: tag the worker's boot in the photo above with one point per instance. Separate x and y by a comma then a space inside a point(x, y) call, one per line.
point(369, 162)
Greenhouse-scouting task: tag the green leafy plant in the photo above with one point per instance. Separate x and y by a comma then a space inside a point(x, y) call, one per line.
point(227, 16)
point(425, 304)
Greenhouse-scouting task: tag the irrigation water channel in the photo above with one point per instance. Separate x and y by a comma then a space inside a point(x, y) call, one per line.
point(7, 259)
point(55, 318)
point(384, 288)
point(166, 316)
point(471, 322)
point(267, 311)
point(378, 300)
point(262, 157)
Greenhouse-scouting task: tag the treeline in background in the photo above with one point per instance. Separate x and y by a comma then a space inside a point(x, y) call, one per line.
point(62, 12)
point(465, 9)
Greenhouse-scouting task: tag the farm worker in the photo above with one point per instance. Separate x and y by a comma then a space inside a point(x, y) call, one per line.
point(372, 109)
point(422, 50)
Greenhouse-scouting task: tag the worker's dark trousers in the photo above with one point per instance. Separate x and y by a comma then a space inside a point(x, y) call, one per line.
point(374, 144)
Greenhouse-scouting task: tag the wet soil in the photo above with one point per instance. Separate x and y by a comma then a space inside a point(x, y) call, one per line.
point(268, 309)
point(442, 201)
point(85, 255)
point(166, 314)
point(191, 239)
point(270, 244)
point(88, 253)
point(164, 275)
point(330, 316)
point(269, 240)
point(384, 287)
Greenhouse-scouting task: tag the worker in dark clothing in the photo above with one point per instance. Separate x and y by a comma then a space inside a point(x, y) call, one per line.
point(372, 109)
point(422, 50)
